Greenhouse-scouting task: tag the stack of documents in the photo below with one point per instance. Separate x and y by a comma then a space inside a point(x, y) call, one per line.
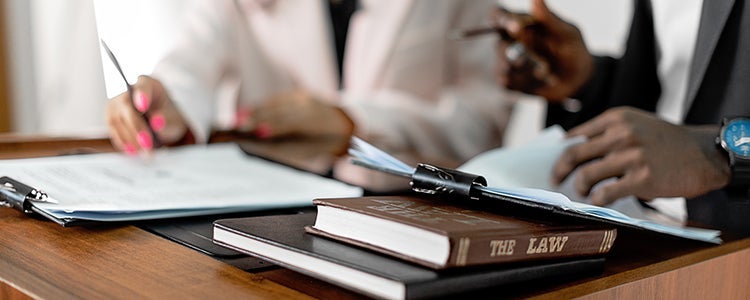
point(177, 182)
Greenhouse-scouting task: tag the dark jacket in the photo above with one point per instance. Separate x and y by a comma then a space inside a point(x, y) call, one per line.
point(719, 84)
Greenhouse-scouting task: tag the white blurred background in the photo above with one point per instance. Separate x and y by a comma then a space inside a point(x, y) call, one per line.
point(58, 76)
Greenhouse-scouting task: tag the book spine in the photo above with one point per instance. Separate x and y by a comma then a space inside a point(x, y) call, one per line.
point(467, 250)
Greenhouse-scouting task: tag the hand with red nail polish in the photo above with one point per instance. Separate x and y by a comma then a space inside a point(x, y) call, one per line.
point(130, 149)
point(298, 113)
point(263, 131)
point(128, 130)
point(141, 101)
point(158, 122)
point(242, 118)
point(145, 140)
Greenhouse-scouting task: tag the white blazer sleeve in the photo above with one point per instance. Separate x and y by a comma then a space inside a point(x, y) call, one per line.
point(213, 58)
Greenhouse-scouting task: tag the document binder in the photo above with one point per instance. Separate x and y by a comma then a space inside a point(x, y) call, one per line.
point(461, 186)
point(22, 197)
point(196, 180)
point(19, 196)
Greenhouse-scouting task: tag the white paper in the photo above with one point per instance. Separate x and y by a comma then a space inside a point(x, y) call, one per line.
point(521, 169)
point(183, 181)
point(528, 165)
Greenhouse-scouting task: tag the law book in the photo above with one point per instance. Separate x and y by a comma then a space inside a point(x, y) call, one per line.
point(440, 235)
point(281, 239)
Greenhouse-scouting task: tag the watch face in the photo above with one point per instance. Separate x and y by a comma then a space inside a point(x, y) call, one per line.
point(736, 137)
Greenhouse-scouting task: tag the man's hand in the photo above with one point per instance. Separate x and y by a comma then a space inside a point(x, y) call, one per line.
point(649, 158)
point(127, 129)
point(297, 113)
point(558, 63)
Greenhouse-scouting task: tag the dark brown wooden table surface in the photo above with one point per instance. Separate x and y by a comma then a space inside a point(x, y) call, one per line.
point(40, 259)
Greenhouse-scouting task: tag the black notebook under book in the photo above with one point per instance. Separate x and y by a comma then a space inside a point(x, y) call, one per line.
point(282, 240)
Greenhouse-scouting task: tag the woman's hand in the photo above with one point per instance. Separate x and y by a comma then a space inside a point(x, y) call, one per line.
point(297, 113)
point(129, 131)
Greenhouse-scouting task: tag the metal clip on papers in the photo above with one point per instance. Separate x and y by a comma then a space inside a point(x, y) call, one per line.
point(430, 179)
point(19, 196)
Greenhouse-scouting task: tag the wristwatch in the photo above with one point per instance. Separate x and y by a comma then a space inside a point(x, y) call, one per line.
point(734, 138)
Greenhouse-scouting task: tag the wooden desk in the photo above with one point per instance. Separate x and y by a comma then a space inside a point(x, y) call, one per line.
point(40, 259)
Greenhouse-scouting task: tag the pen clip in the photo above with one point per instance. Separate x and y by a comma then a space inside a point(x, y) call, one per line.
point(430, 179)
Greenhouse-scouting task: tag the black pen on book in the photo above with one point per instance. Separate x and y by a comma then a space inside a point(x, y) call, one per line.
point(156, 142)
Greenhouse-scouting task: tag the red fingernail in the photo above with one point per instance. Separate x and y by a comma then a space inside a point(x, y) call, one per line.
point(158, 122)
point(144, 140)
point(130, 149)
point(141, 101)
point(263, 130)
point(242, 116)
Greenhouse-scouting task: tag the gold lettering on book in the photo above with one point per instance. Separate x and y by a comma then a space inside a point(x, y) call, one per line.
point(501, 247)
point(546, 244)
point(463, 251)
point(609, 238)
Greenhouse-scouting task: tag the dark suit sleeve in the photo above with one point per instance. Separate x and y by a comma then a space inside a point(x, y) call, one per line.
point(631, 80)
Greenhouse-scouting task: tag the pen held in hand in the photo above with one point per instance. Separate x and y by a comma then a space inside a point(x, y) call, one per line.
point(460, 34)
point(515, 52)
point(501, 27)
point(156, 142)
